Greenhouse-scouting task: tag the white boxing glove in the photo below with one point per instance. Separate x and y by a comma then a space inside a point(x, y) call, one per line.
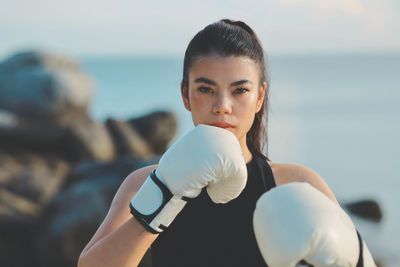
point(207, 156)
point(296, 222)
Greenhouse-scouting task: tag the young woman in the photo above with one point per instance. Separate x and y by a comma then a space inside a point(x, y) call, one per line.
point(225, 87)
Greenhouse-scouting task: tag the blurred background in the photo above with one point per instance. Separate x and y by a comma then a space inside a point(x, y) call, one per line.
point(89, 91)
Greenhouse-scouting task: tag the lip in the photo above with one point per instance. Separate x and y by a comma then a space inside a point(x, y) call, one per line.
point(222, 125)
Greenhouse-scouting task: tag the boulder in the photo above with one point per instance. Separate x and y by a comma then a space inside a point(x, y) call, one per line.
point(41, 85)
point(75, 214)
point(59, 168)
point(17, 243)
point(8, 119)
point(157, 128)
point(127, 140)
point(367, 209)
point(74, 141)
point(28, 59)
point(87, 139)
point(31, 177)
point(27, 184)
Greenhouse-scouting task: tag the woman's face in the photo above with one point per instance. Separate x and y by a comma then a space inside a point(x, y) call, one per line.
point(224, 92)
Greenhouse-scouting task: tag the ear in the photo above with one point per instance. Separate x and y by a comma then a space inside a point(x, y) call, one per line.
point(261, 96)
point(185, 95)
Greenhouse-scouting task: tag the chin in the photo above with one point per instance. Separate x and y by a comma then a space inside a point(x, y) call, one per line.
point(231, 130)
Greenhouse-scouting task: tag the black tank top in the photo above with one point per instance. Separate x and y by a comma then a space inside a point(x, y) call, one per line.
point(208, 234)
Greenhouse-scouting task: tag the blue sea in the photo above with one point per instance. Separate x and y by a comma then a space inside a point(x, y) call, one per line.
point(337, 114)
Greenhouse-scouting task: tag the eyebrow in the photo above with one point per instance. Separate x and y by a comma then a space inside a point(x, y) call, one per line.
point(211, 82)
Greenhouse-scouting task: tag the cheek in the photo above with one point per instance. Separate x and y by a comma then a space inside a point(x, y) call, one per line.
point(246, 112)
point(199, 106)
point(197, 102)
point(248, 106)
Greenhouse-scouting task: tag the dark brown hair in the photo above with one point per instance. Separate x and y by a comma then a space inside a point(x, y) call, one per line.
point(233, 38)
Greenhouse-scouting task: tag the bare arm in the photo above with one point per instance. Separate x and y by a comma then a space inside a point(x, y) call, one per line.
point(120, 240)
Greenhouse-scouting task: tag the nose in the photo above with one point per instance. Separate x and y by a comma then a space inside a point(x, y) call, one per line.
point(222, 105)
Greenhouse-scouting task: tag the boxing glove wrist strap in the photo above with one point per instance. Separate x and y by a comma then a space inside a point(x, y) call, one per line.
point(154, 206)
point(360, 262)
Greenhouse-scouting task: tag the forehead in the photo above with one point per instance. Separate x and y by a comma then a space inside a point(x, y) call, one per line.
point(224, 68)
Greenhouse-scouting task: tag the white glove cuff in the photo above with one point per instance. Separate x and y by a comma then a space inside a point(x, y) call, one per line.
point(154, 206)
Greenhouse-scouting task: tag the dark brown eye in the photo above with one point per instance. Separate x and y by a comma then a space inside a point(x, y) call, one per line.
point(204, 90)
point(241, 90)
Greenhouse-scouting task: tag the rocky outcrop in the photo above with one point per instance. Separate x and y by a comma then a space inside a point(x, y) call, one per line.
point(75, 214)
point(42, 85)
point(77, 140)
point(367, 209)
point(155, 131)
point(159, 134)
point(59, 168)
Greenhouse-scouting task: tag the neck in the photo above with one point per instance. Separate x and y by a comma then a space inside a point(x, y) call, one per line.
point(246, 152)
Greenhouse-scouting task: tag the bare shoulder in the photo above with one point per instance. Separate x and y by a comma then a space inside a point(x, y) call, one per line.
point(288, 173)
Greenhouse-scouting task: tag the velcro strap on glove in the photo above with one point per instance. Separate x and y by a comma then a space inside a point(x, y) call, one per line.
point(154, 206)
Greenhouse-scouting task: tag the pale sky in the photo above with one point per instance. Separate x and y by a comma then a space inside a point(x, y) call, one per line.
point(129, 27)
